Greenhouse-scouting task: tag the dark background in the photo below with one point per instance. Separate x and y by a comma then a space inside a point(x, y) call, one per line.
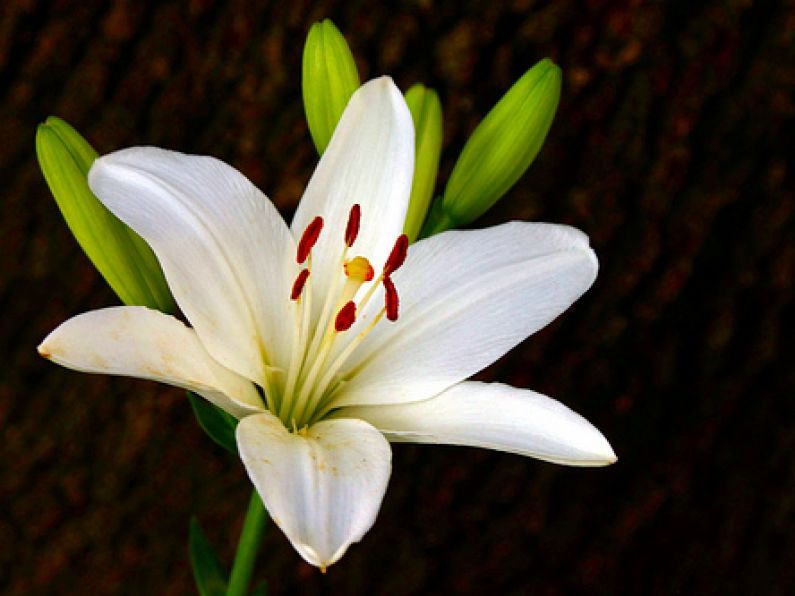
point(670, 149)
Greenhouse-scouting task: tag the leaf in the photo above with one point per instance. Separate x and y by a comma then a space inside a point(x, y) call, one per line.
point(207, 569)
point(261, 589)
point(219, 425)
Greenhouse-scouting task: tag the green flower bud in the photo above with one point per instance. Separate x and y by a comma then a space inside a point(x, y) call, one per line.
point(426, 112)
point(502, 147)
point(328, 79)
point(119, 254)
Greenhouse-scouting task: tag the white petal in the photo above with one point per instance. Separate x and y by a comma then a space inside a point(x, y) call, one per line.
point(322, 488)
point(369, 161)
point(466, 299)
point(134, 341)
point(493, 416)
point(225, 250)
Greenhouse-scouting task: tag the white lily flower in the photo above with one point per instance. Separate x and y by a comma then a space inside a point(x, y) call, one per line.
point(300, 333)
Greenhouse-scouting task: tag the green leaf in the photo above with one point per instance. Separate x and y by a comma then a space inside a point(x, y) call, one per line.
point(119, 254)
point(261, 589)
point(219, 425)
point(208, 572)
point(328, 79)
point(501, 148)
point(426, 112)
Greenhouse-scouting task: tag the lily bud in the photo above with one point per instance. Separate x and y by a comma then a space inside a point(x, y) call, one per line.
point(502, 147)
point(426, 112)
point(328, 79)
point(119, 254)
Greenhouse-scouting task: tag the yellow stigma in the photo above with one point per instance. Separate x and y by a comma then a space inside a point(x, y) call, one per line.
point(359, 269)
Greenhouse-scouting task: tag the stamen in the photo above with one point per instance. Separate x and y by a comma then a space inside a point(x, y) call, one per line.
point(398, 255)
point(359, 268)
point(308, 239)
point(298, 284)
point(313, 377)
point(322, 397)
point(391, 299)
point(352, 229)
point(346, 317)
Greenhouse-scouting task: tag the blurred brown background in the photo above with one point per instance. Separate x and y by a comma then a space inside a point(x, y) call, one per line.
point(670, 149)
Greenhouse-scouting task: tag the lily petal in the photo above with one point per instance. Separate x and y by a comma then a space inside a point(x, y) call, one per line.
point(493, 416)
point(322, 486)
point(222, 245)
point(134, 341)
point(369, 161)
point(466, 299)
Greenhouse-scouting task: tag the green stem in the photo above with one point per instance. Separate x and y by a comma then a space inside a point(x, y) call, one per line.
point(247, 546)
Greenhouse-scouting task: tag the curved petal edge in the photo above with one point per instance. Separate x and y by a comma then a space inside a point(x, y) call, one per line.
point(493, 416)
point(369, 162)
point(135, 341)
point(223, 247)
point(466, 298)
point(322, 485)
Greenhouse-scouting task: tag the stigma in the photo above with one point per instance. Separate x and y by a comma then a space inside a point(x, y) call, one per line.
point(359, 269)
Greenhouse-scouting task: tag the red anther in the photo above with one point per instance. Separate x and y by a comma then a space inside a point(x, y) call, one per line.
point(346, 316)
point(397, 256)
point(352, 229)
point(309, 238)
point(391, 299)
point(298, 284)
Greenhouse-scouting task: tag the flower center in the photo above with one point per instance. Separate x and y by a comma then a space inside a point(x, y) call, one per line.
point(313, 377)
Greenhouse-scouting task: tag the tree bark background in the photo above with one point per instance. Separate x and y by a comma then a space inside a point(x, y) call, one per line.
point(672, 149)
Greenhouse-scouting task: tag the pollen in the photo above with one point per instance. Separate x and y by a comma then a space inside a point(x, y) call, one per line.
point(298, 284)
point(309, 239)
point(398, 255)
point(319, 354)
point(391, 300)
point(352, 229)
point(346, 317)
point(359, 269)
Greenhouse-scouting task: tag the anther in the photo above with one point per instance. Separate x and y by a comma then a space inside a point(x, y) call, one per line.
point(398, 255)
point(346, 317)
point(298, 284)
point(391, 299)
point(359, 268)
point(309, 239)
point(352, 229)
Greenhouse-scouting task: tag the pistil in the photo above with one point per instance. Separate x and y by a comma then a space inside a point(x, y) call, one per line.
point(311, 380)
point(357, 271)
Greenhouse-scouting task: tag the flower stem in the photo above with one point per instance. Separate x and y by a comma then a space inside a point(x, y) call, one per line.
point(247, 546)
